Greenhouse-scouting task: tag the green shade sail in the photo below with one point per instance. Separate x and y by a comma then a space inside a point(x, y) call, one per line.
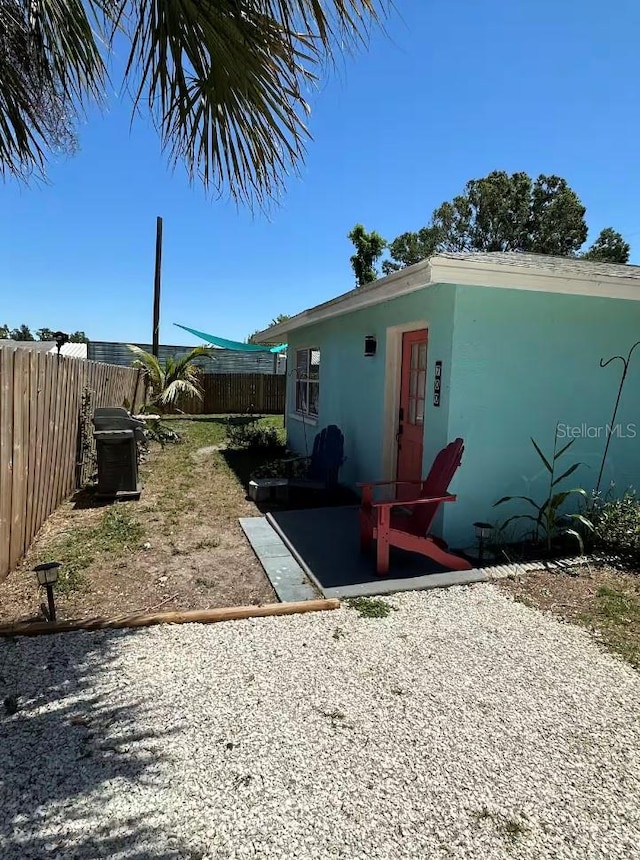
point(223, 343)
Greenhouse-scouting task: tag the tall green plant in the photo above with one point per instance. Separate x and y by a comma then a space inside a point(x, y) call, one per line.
point(171, 379)
point(548, 519)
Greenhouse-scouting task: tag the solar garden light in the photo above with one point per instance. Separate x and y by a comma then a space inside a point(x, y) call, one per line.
point(47, 575)
point(483, 530)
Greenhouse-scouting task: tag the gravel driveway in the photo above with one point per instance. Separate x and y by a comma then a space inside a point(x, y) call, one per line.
point(463, 725)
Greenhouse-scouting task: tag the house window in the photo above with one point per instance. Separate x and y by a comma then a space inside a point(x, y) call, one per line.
point(307, 381)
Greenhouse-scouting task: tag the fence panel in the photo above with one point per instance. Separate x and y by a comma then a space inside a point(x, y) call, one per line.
point(238, 392)
point(41, 398)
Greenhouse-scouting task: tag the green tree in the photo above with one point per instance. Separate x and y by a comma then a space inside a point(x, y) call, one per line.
point(410, 248)
point(4, 332)
point(280, 319)
point(275, 321)
point(49, 334)
point(609, 247)
point(224, 82)
point(23, 332)
point(508, 212)
point(171, 379)
point(492, 214)
point(369, 248)
point(557, 222)
point(513, 213)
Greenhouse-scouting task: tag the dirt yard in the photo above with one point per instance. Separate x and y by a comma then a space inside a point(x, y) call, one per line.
point(602, 598)
point(179, 547)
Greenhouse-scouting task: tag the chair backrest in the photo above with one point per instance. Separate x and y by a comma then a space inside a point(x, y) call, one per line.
point(327, 456)
point(436, 484)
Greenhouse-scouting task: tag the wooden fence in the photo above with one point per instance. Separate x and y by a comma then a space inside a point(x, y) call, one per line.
point(238, 392)
point(42, 451)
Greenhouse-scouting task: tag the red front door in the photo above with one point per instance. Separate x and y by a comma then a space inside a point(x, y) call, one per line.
point(411, 417)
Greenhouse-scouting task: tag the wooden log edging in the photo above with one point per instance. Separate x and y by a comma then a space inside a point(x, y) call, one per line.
point(145, 619)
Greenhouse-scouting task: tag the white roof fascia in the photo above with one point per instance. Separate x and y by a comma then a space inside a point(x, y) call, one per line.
point(486, 273)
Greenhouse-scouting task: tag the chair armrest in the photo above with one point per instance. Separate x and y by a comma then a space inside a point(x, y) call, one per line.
point(405, 503)
point(387, 483)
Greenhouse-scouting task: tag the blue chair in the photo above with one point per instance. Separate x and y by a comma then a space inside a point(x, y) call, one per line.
point(325, 461)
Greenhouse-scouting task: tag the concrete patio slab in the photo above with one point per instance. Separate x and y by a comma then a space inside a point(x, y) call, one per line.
point(283, 571)
point(324, 542)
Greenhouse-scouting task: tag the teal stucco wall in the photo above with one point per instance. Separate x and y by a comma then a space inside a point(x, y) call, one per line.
point(522, 362)
point(515, 363)
point(352, 386)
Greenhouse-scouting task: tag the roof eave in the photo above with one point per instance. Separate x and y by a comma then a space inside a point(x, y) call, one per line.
point(486, 273)
point(441, 269)
point(397, 284)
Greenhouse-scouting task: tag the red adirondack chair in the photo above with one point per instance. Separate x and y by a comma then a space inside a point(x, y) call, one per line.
point(409, 528)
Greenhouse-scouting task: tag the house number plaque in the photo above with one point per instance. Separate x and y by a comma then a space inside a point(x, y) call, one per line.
point(437, 382)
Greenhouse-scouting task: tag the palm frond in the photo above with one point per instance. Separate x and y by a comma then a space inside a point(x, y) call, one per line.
point(186, 360)
point(150, 364)
point(179, 388)
point(50, 66)
point(225, 82)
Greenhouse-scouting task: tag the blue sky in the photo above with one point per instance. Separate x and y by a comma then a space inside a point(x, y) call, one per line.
point(452, 91)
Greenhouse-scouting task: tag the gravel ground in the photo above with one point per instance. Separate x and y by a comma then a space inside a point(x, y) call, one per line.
point(463, 725)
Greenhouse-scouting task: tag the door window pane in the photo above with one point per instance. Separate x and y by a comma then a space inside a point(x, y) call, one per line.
point(414, 355)
point(412, 411)
point(413, 382)
point(422, 356)
point(420, 411)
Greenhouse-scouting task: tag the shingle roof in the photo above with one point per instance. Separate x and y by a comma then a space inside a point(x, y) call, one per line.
point(552, 274)
point(570, 265)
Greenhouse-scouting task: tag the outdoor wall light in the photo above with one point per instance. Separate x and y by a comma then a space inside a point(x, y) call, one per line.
point(47, 575)
point(60, 338)
point(483, 530)
point(370, 345)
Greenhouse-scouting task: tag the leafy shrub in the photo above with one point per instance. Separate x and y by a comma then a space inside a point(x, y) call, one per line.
point(281, 468)
point(157, 430)
point(617, 525)
point(252, 436)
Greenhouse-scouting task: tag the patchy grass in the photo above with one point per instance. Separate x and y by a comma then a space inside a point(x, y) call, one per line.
point(116, 533)
point(616, 616)
point(370, 607)
point(604, 599)
point(179, 547)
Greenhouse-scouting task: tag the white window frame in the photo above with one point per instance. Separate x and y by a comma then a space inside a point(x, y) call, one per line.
point(307, 380)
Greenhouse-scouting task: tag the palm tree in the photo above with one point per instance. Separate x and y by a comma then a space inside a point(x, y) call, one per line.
point(223, 80)
point(172, 379)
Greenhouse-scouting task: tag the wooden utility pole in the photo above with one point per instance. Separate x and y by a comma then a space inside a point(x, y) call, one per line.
point(156, 288)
